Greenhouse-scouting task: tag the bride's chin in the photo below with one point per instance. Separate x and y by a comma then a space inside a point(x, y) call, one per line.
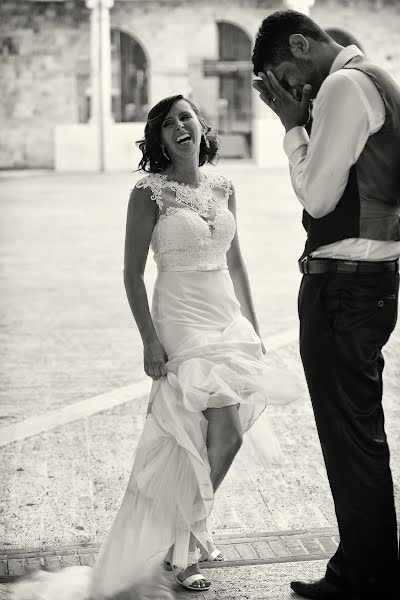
point(187, 150)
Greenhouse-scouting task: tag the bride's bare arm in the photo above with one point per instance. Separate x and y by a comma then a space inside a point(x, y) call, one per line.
point(141, 217)
point(238, 273)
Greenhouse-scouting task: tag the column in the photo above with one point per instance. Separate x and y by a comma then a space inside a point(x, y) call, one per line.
point(94, 61)
point(100, 74)
point(105, 59)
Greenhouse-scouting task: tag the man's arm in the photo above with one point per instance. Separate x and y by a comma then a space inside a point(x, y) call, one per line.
point(320, 165)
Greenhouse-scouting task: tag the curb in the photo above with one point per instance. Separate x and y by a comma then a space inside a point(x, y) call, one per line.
point(239, 550)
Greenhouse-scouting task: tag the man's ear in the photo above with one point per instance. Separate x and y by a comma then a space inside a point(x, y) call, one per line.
point(299, 45)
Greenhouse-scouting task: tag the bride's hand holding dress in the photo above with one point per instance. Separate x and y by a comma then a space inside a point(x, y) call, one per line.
point(155, 359)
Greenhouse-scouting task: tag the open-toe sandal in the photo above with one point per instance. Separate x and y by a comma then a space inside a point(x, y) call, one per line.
point(214, 556)
point(189, 581)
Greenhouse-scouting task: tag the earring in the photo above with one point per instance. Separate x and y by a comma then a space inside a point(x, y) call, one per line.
point(206, 140)
point(165, 154)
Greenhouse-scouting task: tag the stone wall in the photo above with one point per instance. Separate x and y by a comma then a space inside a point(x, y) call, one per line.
point(44, 58)
point(375, 24)
point(41, 45)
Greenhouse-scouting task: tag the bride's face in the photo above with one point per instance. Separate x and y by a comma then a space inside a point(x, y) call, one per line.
point(181, 131)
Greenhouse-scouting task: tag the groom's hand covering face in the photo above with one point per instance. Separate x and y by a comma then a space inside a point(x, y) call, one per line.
point(292, 111)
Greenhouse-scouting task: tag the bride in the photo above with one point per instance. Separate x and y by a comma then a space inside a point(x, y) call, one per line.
point(202, 348)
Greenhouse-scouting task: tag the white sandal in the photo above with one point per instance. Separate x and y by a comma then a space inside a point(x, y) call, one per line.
point(193, 559)
point(188, 582)
point(214, 556)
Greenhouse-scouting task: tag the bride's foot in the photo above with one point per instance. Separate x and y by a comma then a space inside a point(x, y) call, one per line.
point(192, 579)
point(214, 554)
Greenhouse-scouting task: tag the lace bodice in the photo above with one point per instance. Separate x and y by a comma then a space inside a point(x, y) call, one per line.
point(194, 228)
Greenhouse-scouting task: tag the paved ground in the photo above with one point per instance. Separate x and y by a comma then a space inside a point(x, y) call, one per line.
point(63, 299)
point(257, 566)
point(239, 550)
point(67, 335)
point(260, 582)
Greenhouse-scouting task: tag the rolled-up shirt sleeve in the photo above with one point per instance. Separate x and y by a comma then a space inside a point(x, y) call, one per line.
point(319, 166)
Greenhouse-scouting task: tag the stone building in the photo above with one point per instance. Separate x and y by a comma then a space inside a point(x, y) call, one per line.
point(78, 76)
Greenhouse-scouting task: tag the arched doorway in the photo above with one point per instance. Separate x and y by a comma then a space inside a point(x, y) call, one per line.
point(220, 77)
point(129, 78)
point(235, 100)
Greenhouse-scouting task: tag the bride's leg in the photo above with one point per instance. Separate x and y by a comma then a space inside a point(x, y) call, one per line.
point(224, 439)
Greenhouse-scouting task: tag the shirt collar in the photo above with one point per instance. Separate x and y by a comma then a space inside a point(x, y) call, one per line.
point(344, 57)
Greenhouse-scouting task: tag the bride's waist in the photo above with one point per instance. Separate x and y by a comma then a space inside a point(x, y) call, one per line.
point(217, 266)
point(193, 288)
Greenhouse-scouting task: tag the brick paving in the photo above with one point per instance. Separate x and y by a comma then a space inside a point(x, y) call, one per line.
point(241, 550)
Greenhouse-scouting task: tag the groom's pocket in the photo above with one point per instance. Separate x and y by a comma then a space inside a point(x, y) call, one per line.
point(363, 309)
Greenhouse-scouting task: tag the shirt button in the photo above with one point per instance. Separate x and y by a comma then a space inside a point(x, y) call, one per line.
point(380, 303)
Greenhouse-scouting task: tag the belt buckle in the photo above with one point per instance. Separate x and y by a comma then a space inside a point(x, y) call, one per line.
point(304, 265)
point(351, 266)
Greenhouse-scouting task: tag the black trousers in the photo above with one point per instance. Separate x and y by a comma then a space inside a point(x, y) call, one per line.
point(345, 320)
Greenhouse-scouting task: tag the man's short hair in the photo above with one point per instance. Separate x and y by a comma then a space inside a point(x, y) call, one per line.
point(272, 39)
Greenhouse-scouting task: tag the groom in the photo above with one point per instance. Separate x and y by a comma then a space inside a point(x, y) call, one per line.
point(347, 177)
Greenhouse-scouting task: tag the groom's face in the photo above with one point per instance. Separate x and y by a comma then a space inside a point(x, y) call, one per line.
point(293, 75)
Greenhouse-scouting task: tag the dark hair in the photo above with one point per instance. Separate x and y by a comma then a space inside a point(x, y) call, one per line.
point(343, 37)
point(153, 159)
point(272, 39)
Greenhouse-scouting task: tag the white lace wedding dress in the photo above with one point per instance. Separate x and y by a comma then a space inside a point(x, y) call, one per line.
point(215, 360)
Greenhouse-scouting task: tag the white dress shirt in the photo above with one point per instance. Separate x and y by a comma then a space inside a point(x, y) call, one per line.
point(347, 110)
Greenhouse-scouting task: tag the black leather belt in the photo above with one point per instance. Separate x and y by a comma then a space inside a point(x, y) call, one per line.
point(315, 266)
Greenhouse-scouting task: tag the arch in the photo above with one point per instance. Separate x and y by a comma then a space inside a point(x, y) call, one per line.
point(244, 25)
point(130, 75)
point(219, 59)
point(138, 37)
point(234, 42)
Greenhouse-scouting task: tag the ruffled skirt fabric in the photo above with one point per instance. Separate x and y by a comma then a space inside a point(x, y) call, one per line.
point(215, 360)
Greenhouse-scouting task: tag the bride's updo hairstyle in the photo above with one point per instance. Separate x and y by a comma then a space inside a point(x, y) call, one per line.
point(153, 159)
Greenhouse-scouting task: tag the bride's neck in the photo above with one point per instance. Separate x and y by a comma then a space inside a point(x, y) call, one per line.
point(187, 172)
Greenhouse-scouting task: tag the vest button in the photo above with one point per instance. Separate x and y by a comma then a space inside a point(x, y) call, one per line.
point(380, 303)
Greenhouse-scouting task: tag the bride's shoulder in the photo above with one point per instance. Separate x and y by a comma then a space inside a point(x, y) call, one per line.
point(149, 187)
point(150, 181)
point(220, 181)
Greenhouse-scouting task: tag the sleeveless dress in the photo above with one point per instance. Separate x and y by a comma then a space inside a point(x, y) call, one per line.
point(214, 360)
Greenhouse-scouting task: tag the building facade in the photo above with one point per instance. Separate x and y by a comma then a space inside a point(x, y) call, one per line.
point(79, 76)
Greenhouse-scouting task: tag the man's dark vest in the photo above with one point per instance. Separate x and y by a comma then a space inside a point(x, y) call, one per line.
point(370, 205)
